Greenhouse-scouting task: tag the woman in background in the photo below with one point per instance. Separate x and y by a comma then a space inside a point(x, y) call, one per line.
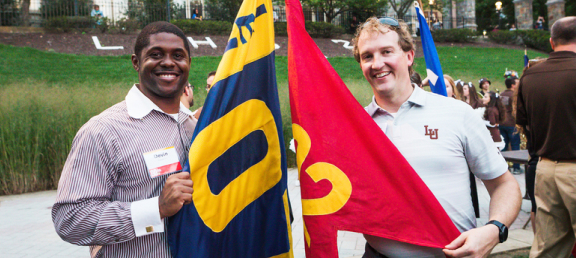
point(451, 91)
point(494, 114)
point(484, 85)
point(468, 94)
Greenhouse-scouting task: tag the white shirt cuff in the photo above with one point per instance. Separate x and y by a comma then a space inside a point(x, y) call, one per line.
point(146, 217)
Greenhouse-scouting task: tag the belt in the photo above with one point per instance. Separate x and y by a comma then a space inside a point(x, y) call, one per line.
point(561, 161)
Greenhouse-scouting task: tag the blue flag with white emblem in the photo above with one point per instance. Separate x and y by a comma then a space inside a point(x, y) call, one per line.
point(433, 68)
point(237, 158)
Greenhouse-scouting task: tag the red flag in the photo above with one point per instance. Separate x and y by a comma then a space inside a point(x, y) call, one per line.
point(352, 177)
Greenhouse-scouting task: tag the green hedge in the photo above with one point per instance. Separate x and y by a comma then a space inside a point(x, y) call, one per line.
point(504, 37)
point(281, 29)
point(453, 35)
point(197, 27)
point(125, 26)
point(315, 29)
point(537, 39)
point(323, 29)
point(69, 23)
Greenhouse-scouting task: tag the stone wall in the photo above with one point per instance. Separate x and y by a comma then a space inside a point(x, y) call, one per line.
point(467, 9)
point(555, 11)
point(523, 13)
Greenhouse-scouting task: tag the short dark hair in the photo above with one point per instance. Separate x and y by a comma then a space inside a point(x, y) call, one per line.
point(143, 39)
point(510, 81)
point(564, 31)
point(213, 73)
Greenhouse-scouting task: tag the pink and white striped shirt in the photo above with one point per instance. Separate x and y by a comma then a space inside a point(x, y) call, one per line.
point(106, 196)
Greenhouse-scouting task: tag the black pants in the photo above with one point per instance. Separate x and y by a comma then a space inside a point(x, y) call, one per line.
point(530, 179)
point(370, 252)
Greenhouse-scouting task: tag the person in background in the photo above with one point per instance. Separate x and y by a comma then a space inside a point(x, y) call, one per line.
point(354, 24)
point(508, 127)
point(539, 24)
point(209, 85)
point(416, 79)
point(468, 94)
point(546, 107)
point(495, 114)
point(530, 175)
point(187, 98)
point(512, 27)
point(451, 91)
point(484, 85)
point(450, 86)
point(97, 14)
point(196, 15)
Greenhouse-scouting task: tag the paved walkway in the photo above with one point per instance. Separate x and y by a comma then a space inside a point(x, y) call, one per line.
point(27, 231)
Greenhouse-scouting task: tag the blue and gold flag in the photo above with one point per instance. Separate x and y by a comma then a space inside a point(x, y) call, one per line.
point(237, 159)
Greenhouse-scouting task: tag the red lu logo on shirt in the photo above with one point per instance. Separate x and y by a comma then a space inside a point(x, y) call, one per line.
point(162, 161)
point(433, 133)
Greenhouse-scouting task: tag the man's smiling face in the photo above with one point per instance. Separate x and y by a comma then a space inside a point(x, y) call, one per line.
point(383, 62)
point(163, 67)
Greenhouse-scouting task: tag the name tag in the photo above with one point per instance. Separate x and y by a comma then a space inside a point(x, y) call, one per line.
point(162, 161)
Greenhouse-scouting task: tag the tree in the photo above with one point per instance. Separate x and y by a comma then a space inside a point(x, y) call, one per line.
point(223, 10)
point(487, 18)
point(25, 13)
point(333, 8)
point(400, 7)
point(9, 13)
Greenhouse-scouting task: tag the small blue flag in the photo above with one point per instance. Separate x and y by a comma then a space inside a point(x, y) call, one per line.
point(433, 68)
point(237, 159)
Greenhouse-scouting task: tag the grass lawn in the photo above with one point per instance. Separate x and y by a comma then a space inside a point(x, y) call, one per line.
point(45, 97)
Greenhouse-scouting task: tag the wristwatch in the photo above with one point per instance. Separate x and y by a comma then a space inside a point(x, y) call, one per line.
point(503, 234)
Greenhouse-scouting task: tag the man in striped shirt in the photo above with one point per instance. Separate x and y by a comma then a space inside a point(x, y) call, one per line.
point(121, 177)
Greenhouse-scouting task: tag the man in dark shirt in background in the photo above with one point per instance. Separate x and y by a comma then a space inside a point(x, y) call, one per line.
point(507, 128)
point(547, 107)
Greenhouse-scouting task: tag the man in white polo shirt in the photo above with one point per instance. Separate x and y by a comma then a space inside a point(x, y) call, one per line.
point(441, 138)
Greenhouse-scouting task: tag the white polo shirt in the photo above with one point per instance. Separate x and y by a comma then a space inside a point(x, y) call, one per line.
point(442, 139)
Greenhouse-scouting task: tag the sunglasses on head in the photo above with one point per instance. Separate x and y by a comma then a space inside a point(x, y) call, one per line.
point(389, 21)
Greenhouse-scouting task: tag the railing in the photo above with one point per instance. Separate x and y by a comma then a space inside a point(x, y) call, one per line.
point(147, 11)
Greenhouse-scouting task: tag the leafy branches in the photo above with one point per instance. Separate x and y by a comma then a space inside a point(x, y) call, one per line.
point(333, 8)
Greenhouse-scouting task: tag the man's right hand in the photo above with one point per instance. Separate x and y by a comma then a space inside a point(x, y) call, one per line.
point(177, 192)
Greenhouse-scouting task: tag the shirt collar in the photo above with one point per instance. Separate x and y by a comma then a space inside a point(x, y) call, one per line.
point(562, 54)
point(418, 97)
point(139, 105)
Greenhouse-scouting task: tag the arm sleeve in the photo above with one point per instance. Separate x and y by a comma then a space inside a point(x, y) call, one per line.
point(84, 213)
point(483, 158)
point(146, 217)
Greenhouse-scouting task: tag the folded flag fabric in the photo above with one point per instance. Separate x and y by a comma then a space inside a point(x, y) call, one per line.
point(237, 158)
point(352, 177)
point(433, 68)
